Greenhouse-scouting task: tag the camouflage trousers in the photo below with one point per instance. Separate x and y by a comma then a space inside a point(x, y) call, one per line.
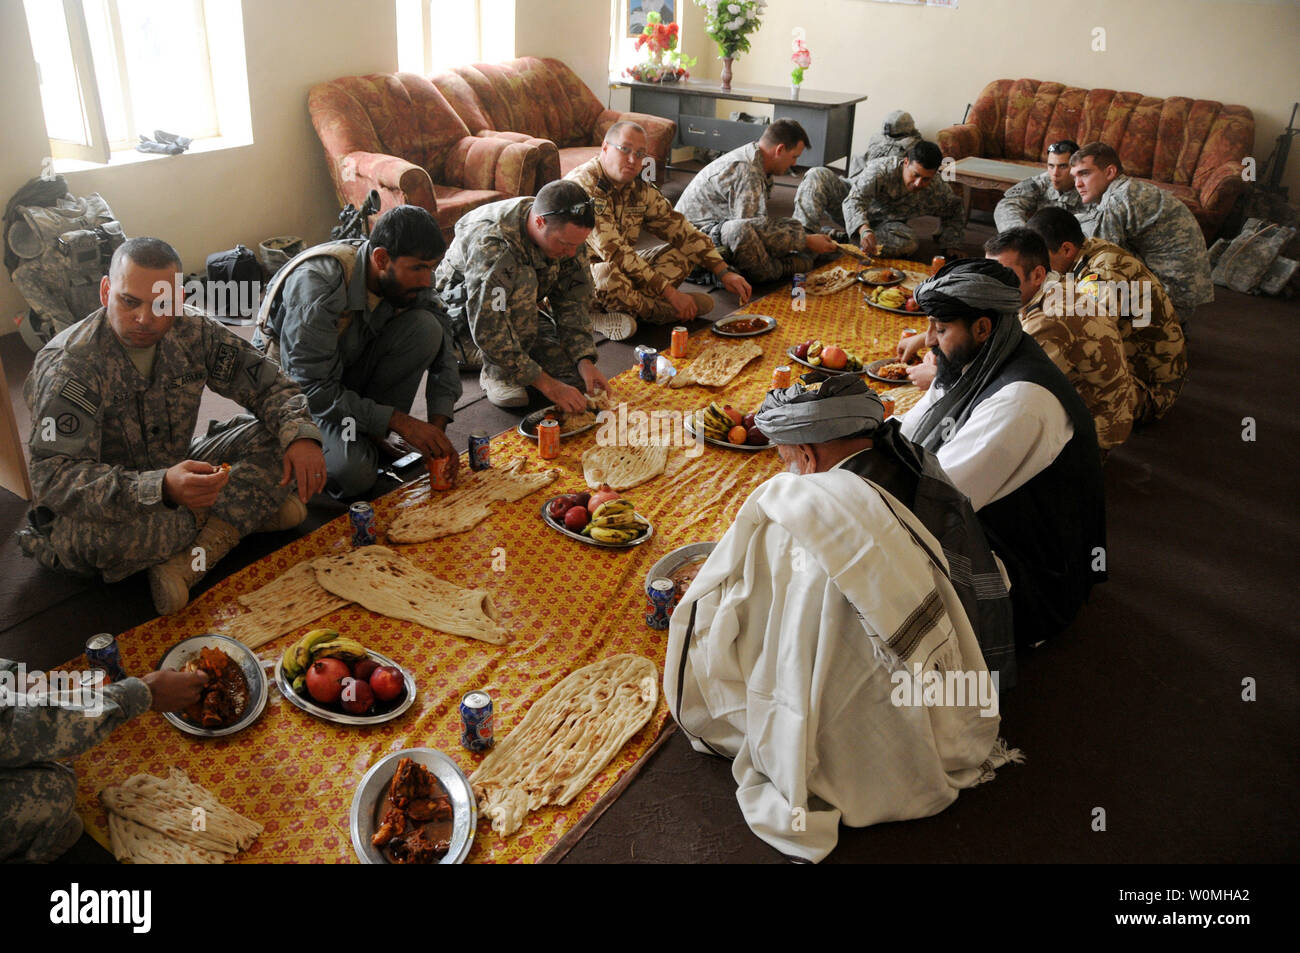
point(388, 372)
point(617, 291)
point(119, 549)
point(549, 354)
point(1155, 398)
point(822, 192)
point(760, 249)
point(38, 818)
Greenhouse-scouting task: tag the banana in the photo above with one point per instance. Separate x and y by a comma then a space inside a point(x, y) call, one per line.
point(347, 650)
point(814, 350)
point(612, 508)
point(297, 657)
point(602, 534)
point(300, 684)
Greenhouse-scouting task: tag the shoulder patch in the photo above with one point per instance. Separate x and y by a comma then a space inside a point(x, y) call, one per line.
point(79, 395)
point(67, 424)
point(223, 368)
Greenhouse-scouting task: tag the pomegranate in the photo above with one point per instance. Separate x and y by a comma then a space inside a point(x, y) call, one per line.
point(602, 495)
point(325, 680)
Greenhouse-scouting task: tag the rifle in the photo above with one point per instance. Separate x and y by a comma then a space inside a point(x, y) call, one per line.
point(1275, 164)
point(355, 222)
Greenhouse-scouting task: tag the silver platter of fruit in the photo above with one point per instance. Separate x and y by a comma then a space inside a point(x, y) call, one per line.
point(559, 527)
point(528, 426)
point(689, 425)
point(188, 649)
point(374, 788)
point(822, 367)
point(384, 711)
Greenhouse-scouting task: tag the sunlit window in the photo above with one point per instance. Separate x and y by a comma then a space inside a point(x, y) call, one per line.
point(434, 35)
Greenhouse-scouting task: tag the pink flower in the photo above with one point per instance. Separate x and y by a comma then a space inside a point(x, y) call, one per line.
point(801, 56)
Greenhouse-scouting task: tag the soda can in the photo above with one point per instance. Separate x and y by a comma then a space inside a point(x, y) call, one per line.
point(678, 346)
point(649, 362)
point(363, 523)
point(781, 377)
point(889, 405)
point(476, 721)
point(937, 262)
point(102, 653)
point(548, 439)
point(661, 600)
point(797, 283)
point(440, 473)
point(479, 456)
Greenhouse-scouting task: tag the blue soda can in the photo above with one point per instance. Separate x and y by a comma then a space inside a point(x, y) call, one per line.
point(102, 653)
point(363, 523)
point(661, 593)
point(796, 284)
point(649, 362)
point(479, 456)
point(476, 721)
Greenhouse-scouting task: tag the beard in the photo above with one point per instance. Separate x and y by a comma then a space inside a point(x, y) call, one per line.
point(950, 368)
point(391, 290)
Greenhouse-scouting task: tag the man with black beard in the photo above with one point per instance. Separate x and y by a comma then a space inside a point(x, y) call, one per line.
point(1013, 435)
point(356, 325)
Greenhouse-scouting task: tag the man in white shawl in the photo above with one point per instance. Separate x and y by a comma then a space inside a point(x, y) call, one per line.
point(823, 649)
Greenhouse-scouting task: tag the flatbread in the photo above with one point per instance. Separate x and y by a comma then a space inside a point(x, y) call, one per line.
point(466, 505)
point(134, 843)
point(384, 582)
point(168, 808)
point(854, 250)
point(717, 364)
point(829, 282)
point(281, 606)
point(566, 739)
point(623, 467)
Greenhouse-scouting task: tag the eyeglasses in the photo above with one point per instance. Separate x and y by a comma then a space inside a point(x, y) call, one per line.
point(1065, 145)
point(581, 208)
point(639, 154)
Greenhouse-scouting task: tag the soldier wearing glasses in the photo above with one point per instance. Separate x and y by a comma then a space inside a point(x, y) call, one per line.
point(1051, 189)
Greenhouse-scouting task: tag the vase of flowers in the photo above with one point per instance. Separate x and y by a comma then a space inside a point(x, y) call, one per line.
point(666, 63)
point(802, 59)
point(729, 23)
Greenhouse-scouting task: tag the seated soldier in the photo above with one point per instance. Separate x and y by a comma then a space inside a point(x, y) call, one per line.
point(1154, 344)
point(794, 653)
point(356, 325)
point(1013, 435)
point(120, 483)
point(636, 286)
point(1051, 189)
point(1148, 221)
point(38, 793)
point(875, 205)
point(897, 135)
point(841, 425)
point(1085, 345)
point(516, 280)
point(727, 201)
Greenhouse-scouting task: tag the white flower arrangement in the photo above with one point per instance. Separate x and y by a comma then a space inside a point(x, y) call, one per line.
point(729, 26)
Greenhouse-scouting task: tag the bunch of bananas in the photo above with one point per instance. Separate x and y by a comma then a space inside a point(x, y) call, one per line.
point(317, 644)
point(894, 297)
point(615, 521)
point(715, 421)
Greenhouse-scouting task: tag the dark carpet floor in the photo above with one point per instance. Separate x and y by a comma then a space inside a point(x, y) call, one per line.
point(1137, 710)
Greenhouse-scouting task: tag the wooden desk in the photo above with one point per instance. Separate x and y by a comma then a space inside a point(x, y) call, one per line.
point(827, 117)
point(974, 172)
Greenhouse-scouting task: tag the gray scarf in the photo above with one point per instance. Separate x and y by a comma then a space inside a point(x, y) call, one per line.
point(842, 407)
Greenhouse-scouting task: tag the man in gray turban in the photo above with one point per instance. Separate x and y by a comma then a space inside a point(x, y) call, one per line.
point(1013, 435)
point(841, 425)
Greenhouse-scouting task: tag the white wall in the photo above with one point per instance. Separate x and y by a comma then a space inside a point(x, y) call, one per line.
point(576, 31)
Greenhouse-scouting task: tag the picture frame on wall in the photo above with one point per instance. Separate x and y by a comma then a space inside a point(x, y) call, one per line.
point(637, 10)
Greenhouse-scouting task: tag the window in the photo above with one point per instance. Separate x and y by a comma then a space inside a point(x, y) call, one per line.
point(113, 69)
point(435, 35)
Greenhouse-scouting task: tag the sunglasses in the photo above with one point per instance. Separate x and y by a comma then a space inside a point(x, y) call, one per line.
point(581, 208)
point(1063, 146)
point(639, 154)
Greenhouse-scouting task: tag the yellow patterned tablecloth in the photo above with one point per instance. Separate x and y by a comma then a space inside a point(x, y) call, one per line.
point(567, 604)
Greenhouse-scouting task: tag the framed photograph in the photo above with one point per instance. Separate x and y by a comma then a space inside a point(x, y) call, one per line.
point(637, 10)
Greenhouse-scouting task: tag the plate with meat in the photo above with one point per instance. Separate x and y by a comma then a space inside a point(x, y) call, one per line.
point(744, 325)
point(681, 566)
point(888, 370)
point(236, 691)
point(413, 806)
point(571, 424)
point(881, 277)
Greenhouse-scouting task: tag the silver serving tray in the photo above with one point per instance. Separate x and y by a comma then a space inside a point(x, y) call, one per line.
point(898, 276)
point(719, 327)
point(675, 560)
point(876, 365)
point(727, 444)
point(374, 788)
point(342, 718)
point(183, 651)
point(789, 352)
point(528, 426)
point(561, 528)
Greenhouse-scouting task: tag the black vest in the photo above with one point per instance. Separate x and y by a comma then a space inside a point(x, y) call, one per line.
point(1050, 532)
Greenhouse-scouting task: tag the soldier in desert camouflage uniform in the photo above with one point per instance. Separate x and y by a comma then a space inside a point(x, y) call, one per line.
point(507, 261)
point(1149, 221)
point(874, 207)
point(1087, 347)
point(897, 135)
point(119, 483)
point(643, 285)
point(727, 201)
point(1054, 187)
point(38, 819)
point(1154, 344)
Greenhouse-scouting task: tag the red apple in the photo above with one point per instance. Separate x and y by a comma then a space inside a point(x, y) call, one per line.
point(747, 422)
point(357, 697)
point(576, 517)
point(325, 680)
point(583, 499)
point(755, 437)
point(387, 682)
point(801, 351)
point(364, 668)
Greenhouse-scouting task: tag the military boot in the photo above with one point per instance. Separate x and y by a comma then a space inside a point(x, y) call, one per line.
point(170, 582)
point(291, 512)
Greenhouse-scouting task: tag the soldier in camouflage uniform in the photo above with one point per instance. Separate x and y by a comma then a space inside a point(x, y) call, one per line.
point(509, 260)
point(1055, 187)
point(1154, 345)
point(119, 483)
point(1086, 346)
point(1149, 221)
point(874, 207)
point(897, 135)
point(644, 284)
point(38, 819)
point(727, 201)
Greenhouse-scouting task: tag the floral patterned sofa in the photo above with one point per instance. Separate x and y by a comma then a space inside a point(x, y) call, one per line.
point(1192, 147)
point(531, 99)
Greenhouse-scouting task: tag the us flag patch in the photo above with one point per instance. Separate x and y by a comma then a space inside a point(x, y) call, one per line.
point(79, 395)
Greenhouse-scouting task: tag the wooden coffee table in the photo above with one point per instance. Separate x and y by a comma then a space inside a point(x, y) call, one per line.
point(974, 172)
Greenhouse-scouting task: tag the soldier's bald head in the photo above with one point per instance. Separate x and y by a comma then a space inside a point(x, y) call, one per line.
point(153, 254)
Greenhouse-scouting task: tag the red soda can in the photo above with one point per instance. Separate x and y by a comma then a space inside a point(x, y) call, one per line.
point(440, 473)
point(362, 516)
point(889, 405)
point(479, 455)
point(476, 721)
point(937, 262)
point(548, 439)
point(781, 377)
point(103, 654)
point(678, 346)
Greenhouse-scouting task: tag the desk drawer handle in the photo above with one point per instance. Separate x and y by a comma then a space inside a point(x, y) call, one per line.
point(693, 130)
